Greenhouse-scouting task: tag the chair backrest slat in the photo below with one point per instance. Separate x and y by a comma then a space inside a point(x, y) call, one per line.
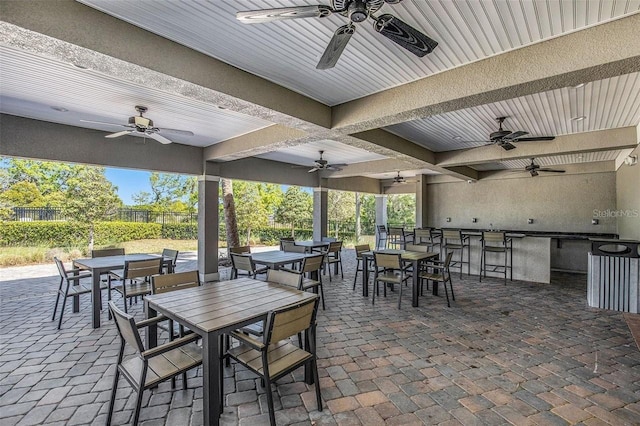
point(395, 231)
point(282, 241)
point(61, 268)
point(452, 234)
point(416, 247)
point(240, 249)
point(422, 233)
point(284, 277)
point(312, 263)
point(447, 261)
point(242, 262)
point(142, 268)
point(361, 249)
point(494, 236)
point(335, 247)
point(107, 252)
point(386, 260)
point(291, 247)
point(127, 328)
point(290, 321)
point(172, 282)
point(171, 254)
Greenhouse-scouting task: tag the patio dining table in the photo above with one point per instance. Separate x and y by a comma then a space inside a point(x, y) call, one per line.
point(311, 246)
point(414, 257)
point(213, 310)
point(100, 265)
point(275, 259)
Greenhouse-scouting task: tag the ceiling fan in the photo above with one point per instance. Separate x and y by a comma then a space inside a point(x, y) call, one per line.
point(504, 138)
point(534, 168)
point(400, 180)
point(356, 11)
point(142, 126)
point(322, 164)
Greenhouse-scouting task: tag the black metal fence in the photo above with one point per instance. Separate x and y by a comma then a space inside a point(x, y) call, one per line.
point(28, 214)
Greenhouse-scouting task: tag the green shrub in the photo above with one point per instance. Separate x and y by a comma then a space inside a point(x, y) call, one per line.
point(117, 232)
point(180, 231)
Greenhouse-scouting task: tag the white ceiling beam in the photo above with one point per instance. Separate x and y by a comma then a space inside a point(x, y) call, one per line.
point(591, 54)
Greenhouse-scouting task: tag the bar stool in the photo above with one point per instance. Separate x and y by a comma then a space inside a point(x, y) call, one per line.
point(396, 237)
point(452, 239)
point(496, 242)
point(382, 237)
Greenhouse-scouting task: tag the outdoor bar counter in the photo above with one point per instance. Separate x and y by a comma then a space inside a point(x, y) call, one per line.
point(536, 253)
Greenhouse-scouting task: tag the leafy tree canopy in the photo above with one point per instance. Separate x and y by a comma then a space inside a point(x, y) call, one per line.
point(297, 205)
point(401, 208)
point(169, 191)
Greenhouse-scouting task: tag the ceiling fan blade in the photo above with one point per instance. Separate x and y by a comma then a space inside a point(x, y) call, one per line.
point(551, 170)
point(405, 35)
point(515, 135)
point(337, 44)
point(278, 14)
point(175, 131)
point(104, 123)
point(507, 146)
point(159, 138)
point(338, 165)
point(118, 134)
point(315, 169)
point(538, 138)
point(333, 167)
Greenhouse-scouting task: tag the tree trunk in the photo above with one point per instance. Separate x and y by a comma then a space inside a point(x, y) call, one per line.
point(358, 224)
point(248, 236)
point(230, 221)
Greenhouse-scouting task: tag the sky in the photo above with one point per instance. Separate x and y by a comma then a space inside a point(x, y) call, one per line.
point(129, 182)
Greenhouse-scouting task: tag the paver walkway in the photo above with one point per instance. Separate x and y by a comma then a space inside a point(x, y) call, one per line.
point(517, 354)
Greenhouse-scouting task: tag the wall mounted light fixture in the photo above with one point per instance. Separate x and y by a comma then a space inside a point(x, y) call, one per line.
point(631, 160)
point(529, 221)
point(448, 219)
point(474, 220)
point(594, 221)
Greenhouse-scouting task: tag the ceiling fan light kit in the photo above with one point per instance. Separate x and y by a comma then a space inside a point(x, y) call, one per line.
point(631, 160)
point(357, 11)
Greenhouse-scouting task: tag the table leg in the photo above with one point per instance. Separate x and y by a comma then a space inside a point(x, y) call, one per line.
point(365, 276)
point(76, 298)
point(416, 293)
point(95, 298)
point(211, 379)
point(152, 330)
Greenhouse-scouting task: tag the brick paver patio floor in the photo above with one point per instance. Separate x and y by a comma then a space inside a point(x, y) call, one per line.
point(517, 354)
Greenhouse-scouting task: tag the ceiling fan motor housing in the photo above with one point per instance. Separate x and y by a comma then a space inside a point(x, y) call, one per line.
point(358, 11)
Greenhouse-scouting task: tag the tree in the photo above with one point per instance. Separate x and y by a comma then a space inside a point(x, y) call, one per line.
point(168, 192)
point(401, 208)
point(341, 208)
point(231, 224)
point(48, 176)
point(358, 224)
point(250, 210)
point(90, 197)
point(23, 194)
point(296, 206)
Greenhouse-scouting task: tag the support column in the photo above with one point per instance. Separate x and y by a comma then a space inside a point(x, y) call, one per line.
point(381, 209)
point(320, 213)
point(421, 202)
point(208, 199)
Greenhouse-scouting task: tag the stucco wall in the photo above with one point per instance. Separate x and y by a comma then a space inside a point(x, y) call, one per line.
point(628, 200)
point(563, 203)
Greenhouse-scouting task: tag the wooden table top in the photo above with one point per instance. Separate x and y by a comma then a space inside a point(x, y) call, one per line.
point(279, 257)
point(113, 262)
point(221, 306)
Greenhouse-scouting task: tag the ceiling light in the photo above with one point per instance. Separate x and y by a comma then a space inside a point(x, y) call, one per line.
point(582, 117)
point(59, 109)
point(457, 138)
point(577, 86)
point(82, 67)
